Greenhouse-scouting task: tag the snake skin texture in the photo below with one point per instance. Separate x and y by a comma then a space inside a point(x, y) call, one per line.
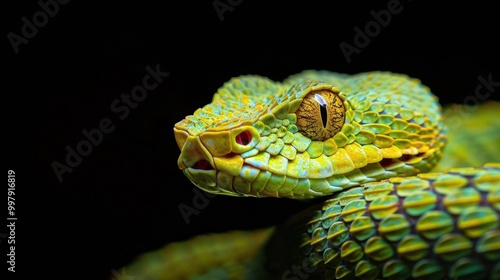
point(365, 148)
point(430, 226)
point(315, 134)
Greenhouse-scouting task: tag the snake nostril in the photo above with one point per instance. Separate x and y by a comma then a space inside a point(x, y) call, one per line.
point(203, 165)
point(244, 138)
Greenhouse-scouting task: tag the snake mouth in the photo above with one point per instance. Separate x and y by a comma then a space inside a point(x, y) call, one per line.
point(213, 174)
point(214, 168)
point(223, 174)
point(213, 159)
point(224, 177)
point(388, 163)
point(202, 165)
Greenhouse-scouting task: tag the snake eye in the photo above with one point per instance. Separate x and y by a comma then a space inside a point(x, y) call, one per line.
point(320, 115)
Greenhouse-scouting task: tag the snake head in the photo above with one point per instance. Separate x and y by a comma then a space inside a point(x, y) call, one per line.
point(311, 135)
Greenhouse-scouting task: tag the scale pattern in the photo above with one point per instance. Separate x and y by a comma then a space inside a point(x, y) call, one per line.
point(387, 132)
point(431, 226)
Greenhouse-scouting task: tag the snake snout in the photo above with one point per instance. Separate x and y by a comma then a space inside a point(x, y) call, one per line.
point(211, 160)
point(196, 162)
point(195, 155)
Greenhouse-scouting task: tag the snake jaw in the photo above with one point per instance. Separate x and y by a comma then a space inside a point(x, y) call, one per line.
point(212, 159)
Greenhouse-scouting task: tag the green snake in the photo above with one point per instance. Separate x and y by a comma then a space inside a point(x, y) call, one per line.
point(367, 146)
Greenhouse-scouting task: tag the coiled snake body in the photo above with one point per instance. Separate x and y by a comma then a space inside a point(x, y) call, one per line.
point(366, 143)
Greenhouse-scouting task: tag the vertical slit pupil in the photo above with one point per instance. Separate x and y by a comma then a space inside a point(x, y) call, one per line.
point(324, 114)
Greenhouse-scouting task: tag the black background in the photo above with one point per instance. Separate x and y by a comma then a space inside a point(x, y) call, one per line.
point(123, 198)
